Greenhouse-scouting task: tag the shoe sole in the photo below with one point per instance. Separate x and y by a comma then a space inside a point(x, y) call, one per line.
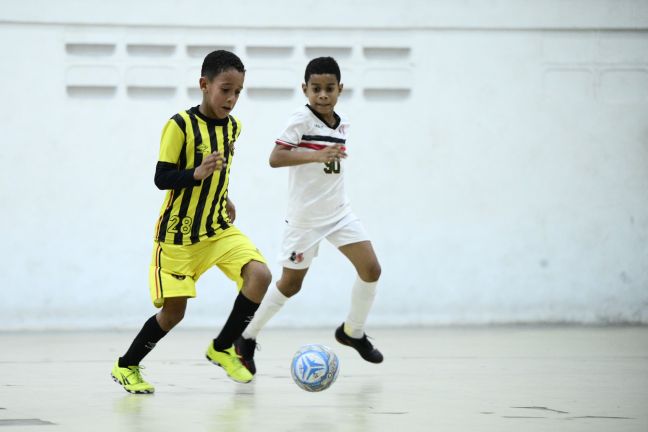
point(131, 391)
point(228, 375)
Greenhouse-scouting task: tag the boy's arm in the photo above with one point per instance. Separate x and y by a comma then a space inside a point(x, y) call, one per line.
point(168, 176)
point(298, 124)
point(167, 172)
point(282, 155)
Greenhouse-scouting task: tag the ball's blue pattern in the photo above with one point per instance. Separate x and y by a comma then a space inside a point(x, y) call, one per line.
point(314, 367)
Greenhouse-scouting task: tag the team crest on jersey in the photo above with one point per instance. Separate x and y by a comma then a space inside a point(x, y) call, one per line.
point(296, 257)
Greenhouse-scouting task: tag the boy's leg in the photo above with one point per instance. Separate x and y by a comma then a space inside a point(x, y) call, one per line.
point(127, 370)
point(286, 287)
point(256, 278)
point(363, 258)
point(289, 285)
point(153, 330)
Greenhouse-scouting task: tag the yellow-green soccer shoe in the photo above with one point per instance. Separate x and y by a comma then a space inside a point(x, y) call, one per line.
point(131, 379)
point(229, 361)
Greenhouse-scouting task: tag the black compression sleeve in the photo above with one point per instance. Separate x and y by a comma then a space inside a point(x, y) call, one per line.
point(167, 176)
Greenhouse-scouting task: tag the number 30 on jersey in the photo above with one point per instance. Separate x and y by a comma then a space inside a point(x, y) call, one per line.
point(332, 167)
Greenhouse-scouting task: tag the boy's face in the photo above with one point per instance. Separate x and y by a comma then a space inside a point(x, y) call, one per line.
point(322, 91)
point(221, 93)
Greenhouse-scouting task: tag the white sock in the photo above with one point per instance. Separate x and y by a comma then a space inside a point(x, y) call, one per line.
point(362, 297)
point(270, 305)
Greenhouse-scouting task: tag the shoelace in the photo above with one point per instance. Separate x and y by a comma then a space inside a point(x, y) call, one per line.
point(137, 373)
point(365, 341)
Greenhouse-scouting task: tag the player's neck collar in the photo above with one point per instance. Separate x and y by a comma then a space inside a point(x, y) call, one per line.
point(210, 121)
point(335, 116)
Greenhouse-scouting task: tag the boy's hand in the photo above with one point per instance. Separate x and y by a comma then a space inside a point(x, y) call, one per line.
point(213, 162)
point(331, 153)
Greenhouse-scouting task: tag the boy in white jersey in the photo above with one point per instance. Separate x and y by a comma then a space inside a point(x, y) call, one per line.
point(313, 145)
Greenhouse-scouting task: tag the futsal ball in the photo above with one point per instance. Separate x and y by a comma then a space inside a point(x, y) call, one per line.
point(314, 367)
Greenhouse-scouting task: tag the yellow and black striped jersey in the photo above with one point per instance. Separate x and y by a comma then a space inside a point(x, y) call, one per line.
point(193, 210)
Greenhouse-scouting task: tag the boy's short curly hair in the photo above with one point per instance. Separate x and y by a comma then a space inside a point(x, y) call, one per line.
point(219, 61)
point(322, 65)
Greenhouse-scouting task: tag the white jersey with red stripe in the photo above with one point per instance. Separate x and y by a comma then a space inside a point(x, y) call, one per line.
point(316, 190)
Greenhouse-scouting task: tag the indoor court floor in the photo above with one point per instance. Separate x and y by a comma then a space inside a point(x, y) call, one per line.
point(442, 379)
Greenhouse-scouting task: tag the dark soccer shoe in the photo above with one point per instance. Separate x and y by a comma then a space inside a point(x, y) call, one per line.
point(245, 350)
point(366, 350)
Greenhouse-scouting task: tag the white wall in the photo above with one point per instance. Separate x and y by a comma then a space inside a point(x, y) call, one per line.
point(499, 155)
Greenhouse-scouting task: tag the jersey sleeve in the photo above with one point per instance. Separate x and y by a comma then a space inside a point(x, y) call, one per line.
point(296, 127)
point(171, 143)
point(167, 173)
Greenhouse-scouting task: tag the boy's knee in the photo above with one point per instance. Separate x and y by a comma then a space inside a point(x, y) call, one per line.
point(289, 288)
point(169, 317)
point(372, 273)
point(256, 279)
point(265, 277)
point(259, 274)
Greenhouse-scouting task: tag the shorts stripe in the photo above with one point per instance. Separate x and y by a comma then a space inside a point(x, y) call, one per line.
point(158, 274)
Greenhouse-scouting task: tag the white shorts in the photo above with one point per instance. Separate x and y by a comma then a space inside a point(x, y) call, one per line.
point(300, 245)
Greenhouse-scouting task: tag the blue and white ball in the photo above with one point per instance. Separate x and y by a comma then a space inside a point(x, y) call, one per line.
point(314, 367)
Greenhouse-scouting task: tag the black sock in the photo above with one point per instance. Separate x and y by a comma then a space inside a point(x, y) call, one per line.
point(242, 313)
point(143, 343)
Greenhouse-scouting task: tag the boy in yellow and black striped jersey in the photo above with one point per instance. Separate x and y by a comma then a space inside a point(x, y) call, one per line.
point(194, 231)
